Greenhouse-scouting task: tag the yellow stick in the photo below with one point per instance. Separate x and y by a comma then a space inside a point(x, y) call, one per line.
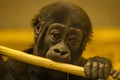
point(42, 62)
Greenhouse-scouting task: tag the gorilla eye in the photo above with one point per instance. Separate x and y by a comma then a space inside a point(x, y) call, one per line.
point(56, 35)
point(72, 39)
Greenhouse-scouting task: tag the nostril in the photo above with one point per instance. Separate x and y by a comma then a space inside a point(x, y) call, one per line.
point(57, 50)
point(64, 52)
point(60, 52)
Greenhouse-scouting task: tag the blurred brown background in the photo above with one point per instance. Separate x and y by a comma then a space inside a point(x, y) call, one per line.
point(18, 13)
point(16, 31)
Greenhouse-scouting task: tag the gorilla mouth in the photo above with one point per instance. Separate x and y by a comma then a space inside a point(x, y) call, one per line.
point(58, 58)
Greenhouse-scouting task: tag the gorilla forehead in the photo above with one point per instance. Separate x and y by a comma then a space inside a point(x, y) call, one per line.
point(62, 27)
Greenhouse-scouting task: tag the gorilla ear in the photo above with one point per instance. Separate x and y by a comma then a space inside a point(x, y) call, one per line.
point(36, 21)
point(37, 31)
point(37, 24)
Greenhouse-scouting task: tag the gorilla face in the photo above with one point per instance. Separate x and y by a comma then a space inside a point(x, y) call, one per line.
point(63, 42)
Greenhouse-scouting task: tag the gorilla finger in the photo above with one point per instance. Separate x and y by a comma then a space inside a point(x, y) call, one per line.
point(118, 78)
point(115, 75)
point(94, 70)
point(112, 72)
point(87, 69)
point(101, 71)
point(107, 70)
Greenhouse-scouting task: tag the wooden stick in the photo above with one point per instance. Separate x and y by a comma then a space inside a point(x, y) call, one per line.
point(42, 62)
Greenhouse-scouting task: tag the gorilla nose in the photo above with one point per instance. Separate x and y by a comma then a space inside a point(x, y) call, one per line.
point(61, 52)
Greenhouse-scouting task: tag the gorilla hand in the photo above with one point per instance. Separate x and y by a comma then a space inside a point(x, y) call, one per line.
point(97, 68)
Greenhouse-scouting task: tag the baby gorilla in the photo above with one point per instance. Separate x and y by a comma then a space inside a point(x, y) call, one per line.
point(62, 31)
